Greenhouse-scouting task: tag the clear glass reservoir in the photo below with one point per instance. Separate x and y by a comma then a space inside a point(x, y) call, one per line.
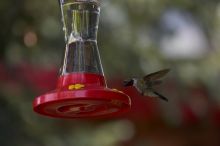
point(80, 25)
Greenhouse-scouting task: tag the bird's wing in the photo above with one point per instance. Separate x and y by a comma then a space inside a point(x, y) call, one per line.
point(156, 75)
point(157, 82)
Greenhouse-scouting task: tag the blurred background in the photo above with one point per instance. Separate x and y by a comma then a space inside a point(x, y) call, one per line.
point(135, 38)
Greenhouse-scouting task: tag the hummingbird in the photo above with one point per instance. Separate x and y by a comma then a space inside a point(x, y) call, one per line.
point(145, 85)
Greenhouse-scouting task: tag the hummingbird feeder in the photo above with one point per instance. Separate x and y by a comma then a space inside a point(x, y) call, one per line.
point(81, 89)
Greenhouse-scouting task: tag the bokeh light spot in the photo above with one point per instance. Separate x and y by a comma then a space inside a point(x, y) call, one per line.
point(30, 39)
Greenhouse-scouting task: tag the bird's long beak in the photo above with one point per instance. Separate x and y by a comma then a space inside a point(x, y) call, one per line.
point(128, 83)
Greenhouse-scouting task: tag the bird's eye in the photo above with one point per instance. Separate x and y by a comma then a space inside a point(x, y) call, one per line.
point(128, 82)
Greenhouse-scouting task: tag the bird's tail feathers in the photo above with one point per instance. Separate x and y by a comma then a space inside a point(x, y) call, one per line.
point(160, 96)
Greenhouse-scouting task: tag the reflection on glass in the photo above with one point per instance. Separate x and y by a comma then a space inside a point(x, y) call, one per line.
point(80, 20)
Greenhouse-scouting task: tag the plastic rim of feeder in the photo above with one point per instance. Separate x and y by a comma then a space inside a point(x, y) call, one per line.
point(81, 95)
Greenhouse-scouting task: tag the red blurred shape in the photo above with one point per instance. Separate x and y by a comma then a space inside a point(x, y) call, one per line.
point(143, 108)
point(40, 79)
point(188, 116)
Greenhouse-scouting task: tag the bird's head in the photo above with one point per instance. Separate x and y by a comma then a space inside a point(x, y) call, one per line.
point(129, 82)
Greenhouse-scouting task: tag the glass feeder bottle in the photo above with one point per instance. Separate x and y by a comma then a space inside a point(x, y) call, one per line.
point(80, 25)
point(81, 89)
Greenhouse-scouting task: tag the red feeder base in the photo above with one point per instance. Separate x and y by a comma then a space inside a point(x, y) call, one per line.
point(82, 95)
